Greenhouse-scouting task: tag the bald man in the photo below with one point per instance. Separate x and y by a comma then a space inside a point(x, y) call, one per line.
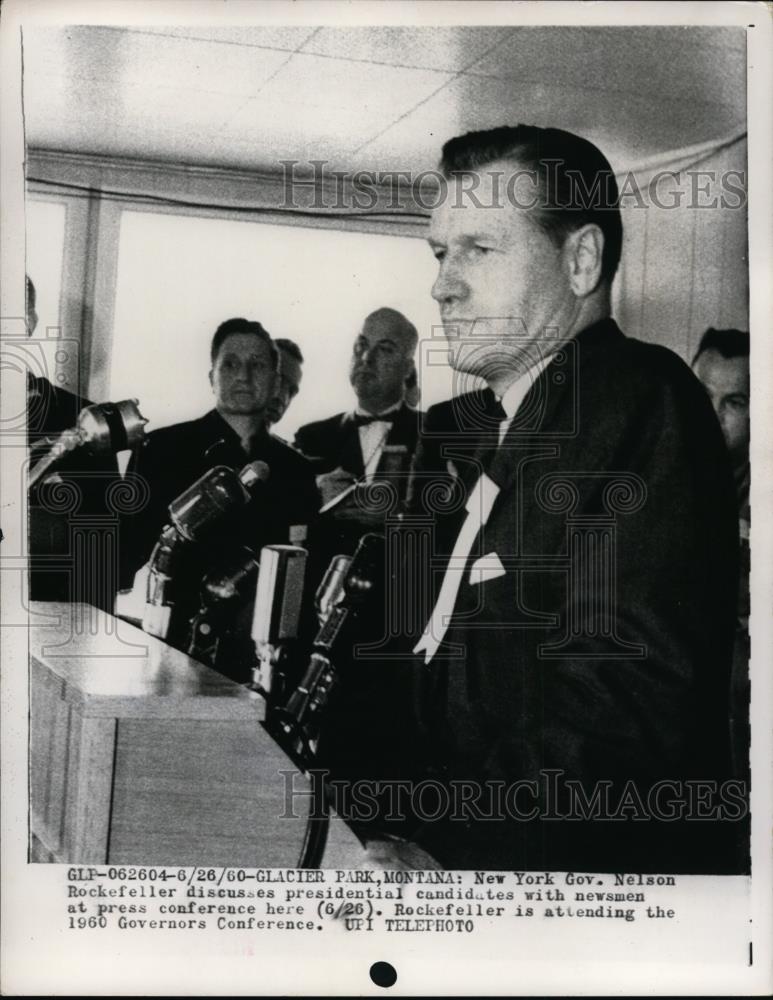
point(360, 456)
point(375, 441)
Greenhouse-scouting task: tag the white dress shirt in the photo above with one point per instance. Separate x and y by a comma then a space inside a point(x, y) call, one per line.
point(478, 506)
point(373, 437)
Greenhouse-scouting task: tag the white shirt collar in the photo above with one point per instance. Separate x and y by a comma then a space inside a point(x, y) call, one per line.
point(515, 393)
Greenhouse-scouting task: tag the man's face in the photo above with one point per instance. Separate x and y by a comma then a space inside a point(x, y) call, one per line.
point(501, 283)
point(242, 376)
point(286, 387)
point(727, 382)
point(381, 361)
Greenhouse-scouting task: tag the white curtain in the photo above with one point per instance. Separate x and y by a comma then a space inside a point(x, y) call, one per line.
point(686, 268)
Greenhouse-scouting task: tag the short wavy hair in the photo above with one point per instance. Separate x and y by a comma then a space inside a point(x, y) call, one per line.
point(577, 185)
point(240, 325)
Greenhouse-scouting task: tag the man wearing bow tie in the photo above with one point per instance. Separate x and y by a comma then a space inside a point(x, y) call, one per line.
point(362, 458)
point(373, 443)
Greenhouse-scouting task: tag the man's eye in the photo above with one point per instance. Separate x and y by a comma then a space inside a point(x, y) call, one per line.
point(481, 250)
point(438, 253)
point(737, 402)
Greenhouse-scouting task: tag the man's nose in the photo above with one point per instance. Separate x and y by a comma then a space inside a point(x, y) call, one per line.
point(449, 286)
point(723, 416)
point(246, 372)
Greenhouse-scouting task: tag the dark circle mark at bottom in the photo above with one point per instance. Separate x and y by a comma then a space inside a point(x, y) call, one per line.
point(383, 974)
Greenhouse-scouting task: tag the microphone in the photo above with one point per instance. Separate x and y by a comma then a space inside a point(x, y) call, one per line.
point(330, 592)
point(227, 585)
point(253, 474)
point(104, 428)
point(277, 608)
point(193, 516)
point(216, 493)
point(345, 589)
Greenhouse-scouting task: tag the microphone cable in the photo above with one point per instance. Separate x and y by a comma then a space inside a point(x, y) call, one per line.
point(317, 827)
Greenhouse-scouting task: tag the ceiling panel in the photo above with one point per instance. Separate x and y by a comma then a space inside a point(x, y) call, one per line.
point(630, 128)
point(443, 48)
point(672, 62)
point(386, 91)
point(287, 38)
point(115, 59)
point(372, 98)
point(122, 123)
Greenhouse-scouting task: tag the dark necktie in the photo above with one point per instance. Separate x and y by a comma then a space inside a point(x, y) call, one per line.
point(493, 407)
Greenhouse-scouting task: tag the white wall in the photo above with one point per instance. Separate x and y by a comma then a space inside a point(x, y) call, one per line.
point(686, 268)
point(180, 276)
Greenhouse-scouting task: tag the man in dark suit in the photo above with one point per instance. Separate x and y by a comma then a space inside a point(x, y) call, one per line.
point(69, 510)
point(234, 433)
point(573, 672)
point(171, 459)
point(362, 457)
point(722, 364)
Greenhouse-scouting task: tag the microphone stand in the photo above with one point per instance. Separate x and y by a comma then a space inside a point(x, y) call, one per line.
point(345, 588)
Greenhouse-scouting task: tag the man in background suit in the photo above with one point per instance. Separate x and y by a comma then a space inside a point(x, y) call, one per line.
point(234, 433)
point(374, 443)
point(288, 379)
point(60, 568)
point(722, 364)
point(579, 640)
point(356, 452)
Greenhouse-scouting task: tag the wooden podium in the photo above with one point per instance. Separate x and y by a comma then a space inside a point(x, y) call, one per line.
point(140, 755)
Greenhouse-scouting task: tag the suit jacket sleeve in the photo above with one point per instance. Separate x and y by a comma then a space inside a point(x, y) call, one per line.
point(316, 441)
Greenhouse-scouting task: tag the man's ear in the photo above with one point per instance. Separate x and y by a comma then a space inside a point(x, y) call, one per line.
point(584, 249)
point(210, 378)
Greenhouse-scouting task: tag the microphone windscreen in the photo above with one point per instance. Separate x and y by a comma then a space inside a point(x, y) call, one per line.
point(253, 474)
point(331, 591)
point(279, 593)
point(214, 494)
point(112, 427)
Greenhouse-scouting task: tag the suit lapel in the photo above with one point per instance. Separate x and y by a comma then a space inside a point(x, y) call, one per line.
point(350, 452)
point(547, 422)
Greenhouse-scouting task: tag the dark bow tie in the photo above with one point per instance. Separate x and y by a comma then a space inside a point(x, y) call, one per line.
point(361, 420)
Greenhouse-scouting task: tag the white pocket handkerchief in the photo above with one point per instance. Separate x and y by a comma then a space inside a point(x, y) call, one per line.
point(488, 567)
